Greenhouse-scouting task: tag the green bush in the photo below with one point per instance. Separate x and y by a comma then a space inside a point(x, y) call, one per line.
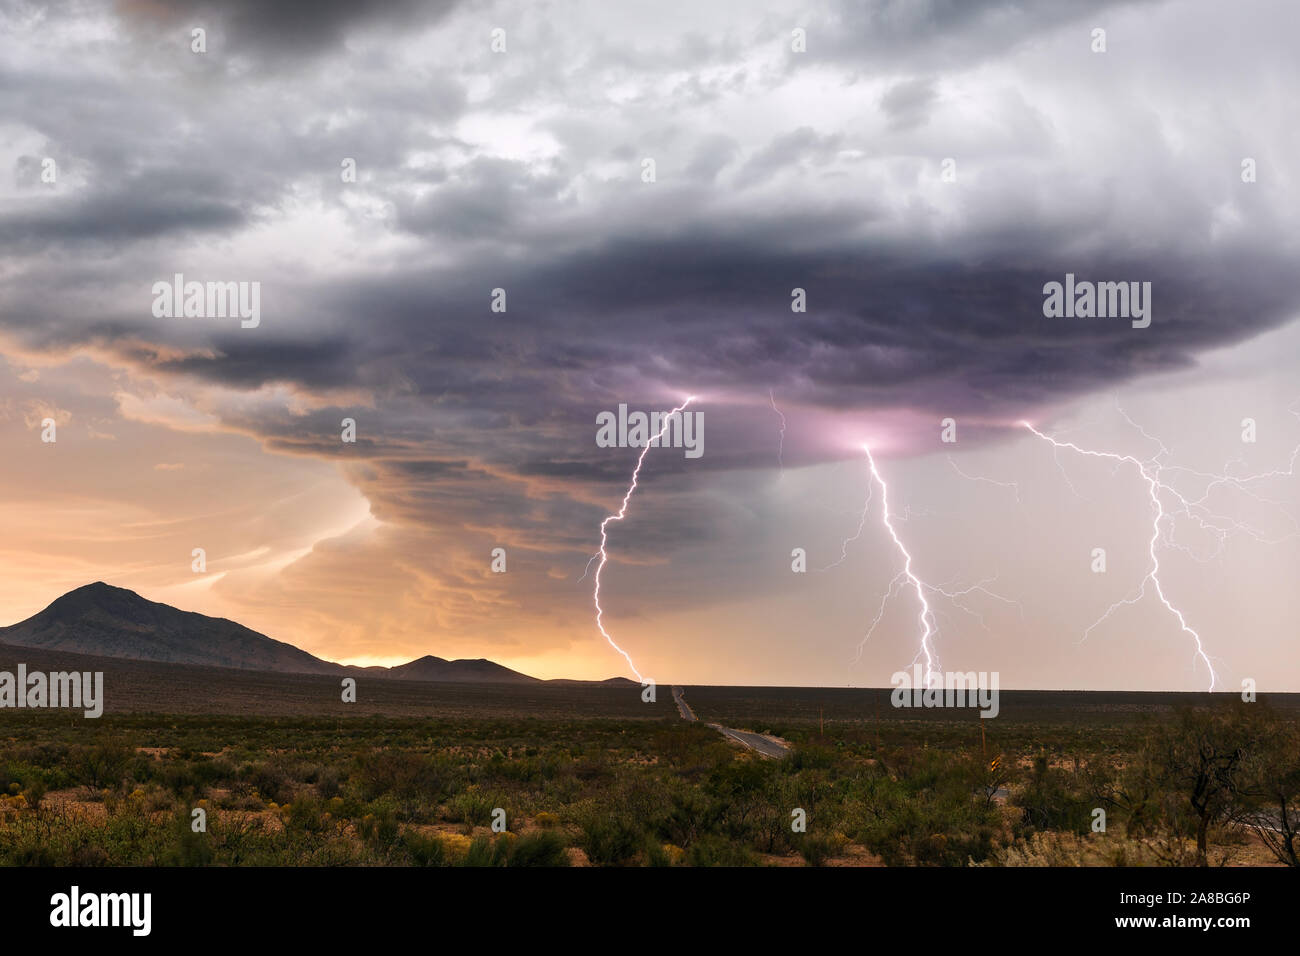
point(716, 851)
point(425, 850)
point(610, 840)
point(816, 848)
point(544, 848)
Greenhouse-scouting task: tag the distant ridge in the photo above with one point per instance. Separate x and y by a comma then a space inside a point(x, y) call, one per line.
point(106, 621)
point(432, 668)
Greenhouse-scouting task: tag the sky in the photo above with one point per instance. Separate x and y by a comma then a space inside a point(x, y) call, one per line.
point(920, 170)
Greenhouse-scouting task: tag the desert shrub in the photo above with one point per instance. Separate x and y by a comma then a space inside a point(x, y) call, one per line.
point(931, 818)
point(1052, 800)
point(181, 777)
point(593, 768)
point(200, 770)
point(88, 854)
point(691, 747)
point(610, 839)
point(19, 775)
point(425, 849)
point(189, 848)
point(407, 776)
point(713, 850)
point(1069, 849)
point(306, 813)
point(545, 848)
point(269, 780)
point(472, 807)
point(482, 852)
point(817, 848)
point(328, 783)
point(100, 765)
point(35, 792)
point(686, 815)
point(378, 829)
point(812, 757)
point(662, 854)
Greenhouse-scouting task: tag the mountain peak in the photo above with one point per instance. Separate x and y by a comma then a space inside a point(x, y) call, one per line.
point(108, 621)
point(480, 670)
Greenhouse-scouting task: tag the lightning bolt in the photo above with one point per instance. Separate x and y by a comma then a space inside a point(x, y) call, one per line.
point(929, 627)
point(927, 616)
point(844, 545)
point(619, 516)
point(780, 448)
point(1002, 484)
point(1199, 510)
point(1154, 487)
point(884, 602)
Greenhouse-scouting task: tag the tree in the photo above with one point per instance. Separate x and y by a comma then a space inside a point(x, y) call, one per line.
point(1271, 797)
point(1203, 768)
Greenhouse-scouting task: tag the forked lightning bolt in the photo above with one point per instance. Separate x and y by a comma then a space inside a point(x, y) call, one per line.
point(927, 617)
point(929, 626)
point(1154, 487)
point(619, 516)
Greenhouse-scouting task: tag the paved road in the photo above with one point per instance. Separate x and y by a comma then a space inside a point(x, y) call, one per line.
point(683, 708)
point(756, 742)
point(768, 748)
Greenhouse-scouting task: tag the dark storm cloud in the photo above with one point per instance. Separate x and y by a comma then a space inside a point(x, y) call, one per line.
point(923, 328)
point(877, 35)
point(287, 28)
point(486, 199)
point(147, 205)
point(424, 468)
point(619, 291)
point(243, 362)
point(907, 104)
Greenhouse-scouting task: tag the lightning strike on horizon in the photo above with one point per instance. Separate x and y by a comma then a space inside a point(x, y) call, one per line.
point(952, 596)
point(619, 516)
point(926, 617)
point(1154, 487)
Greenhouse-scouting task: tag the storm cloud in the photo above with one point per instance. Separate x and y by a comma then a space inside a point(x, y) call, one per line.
point(919, 173)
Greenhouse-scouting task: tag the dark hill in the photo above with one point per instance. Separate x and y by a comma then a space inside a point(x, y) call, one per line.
point(432, 668)
point(114, 622)
point(106, 621)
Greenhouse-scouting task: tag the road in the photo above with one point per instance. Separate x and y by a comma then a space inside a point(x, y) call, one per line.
point(756, 742)
point(683, 708)
point(764, 745)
